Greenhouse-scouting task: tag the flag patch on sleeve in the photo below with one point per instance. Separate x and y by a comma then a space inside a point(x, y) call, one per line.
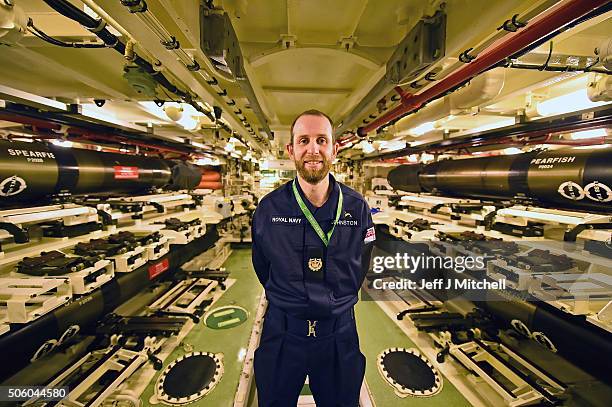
point(370, 235)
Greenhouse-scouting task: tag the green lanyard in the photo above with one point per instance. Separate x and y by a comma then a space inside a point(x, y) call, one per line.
point(313, 222)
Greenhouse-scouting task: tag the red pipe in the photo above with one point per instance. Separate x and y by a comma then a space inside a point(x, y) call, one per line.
point(119, 139)
point(30, 121)
point(552, 19)
point(347, 139)
point(84, 134)
point(509, 142)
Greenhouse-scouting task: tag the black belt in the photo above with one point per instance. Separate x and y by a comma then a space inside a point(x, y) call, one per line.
point(310, 327)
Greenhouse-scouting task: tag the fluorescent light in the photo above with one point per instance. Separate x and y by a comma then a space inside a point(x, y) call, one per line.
point(199, 145)
point(512, 151)
point(393, 145)
point(367, 147)
point(207, 161)
point(427, 157)
point(595, 147)
point(422, 129)
point(62, 143)
point(155, 110)
point(189, 119)
point(586, 134)
point(189, 123)
point(495, 125)
point(571, 102)
point(93, 111)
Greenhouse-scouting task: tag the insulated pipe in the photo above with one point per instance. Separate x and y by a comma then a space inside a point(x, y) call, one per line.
point(481, 89)
point(30, 121)
point(111, 21)
point(551, 20)
point(98, 27)
point(79, 134)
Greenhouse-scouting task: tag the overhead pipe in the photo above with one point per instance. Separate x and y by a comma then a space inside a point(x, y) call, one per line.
point(541, 26)
point(89, 137)
point(30, 121)
point(80, 134)
point(141, 10)
point(98, 27)
point(481, 89)
point(540, 130)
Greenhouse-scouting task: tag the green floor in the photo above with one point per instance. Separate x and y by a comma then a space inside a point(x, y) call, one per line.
point(245, 293)
point(378, 332)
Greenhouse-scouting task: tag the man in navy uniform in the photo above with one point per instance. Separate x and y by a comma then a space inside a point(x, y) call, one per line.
point(312, 241)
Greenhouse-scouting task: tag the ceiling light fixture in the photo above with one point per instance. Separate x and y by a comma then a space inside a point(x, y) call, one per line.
point(587, 134)
point(62, 143)
point(367, 147)
point(494, 125)
point(570, 102)
point(422, 129)
point(512, 150)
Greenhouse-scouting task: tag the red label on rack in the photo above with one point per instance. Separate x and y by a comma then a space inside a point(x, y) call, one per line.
point(158, 268)
point(122, 172)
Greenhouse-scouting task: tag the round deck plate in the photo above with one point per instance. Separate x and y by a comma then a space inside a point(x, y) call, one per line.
point(409, 372)
point(179, 384)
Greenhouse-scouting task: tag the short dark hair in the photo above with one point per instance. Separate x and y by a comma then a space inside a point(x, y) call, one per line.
point(313, 112)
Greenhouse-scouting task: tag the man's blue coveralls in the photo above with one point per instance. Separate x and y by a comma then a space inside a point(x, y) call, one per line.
point(309, 327)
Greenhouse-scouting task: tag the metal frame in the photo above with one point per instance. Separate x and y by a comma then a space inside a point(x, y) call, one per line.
point(183, 291)
point(79, 280)
point(426, 43)
point(184, 236)
point(25, 299)
point(12, 220)
point(158, 249)
point(442, 207)
point(124, 361)
point(525, 392)
point(576, 293)
point(130, 261)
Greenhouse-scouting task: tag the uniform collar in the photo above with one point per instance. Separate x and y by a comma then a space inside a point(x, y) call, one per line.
point(328, 210)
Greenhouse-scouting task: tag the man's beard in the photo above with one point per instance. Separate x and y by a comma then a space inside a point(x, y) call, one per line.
point(313, 176)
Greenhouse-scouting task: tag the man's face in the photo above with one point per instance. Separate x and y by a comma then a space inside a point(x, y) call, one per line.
point(312, 149)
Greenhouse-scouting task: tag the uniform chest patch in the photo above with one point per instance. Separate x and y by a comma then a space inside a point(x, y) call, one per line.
point(285, 220)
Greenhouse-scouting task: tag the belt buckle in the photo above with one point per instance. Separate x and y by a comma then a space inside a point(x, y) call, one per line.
point(312, 328)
